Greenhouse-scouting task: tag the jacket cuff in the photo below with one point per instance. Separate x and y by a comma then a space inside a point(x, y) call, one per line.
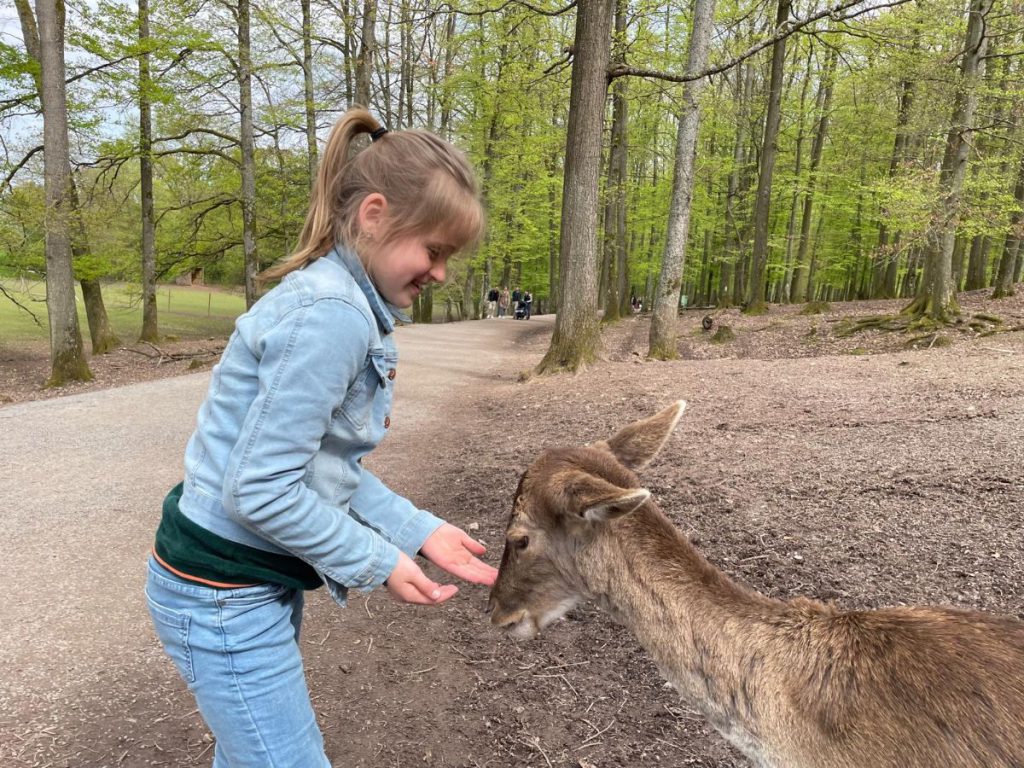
point(415, 531)
point(382, 563)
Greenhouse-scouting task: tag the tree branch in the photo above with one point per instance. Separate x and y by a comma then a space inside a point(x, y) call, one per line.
point(787, 29)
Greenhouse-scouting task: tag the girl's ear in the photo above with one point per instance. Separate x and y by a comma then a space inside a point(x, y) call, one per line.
point(371, 214)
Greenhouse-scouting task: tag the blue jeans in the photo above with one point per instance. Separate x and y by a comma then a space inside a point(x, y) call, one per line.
point(238, 651)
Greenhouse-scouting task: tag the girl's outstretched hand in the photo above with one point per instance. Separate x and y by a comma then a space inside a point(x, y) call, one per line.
point(408, 584)
point(454, 551)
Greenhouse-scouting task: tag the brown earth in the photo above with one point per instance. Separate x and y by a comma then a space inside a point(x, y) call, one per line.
point(851, 470)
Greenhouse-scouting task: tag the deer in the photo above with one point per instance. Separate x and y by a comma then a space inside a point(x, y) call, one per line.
point(794, 683)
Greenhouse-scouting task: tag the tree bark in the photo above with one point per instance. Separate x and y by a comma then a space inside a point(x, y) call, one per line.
point(769, 152)
point(367, 48)
point(887, 256)
point(102, 337)
point(936, 296)
point(615, 206)
point(308, 91)
point(576, 339)
point(1011, 243)
point(743, 89)
point(248, 147)
point(824, 104)
point(150, 324)
point(67, 358)
point(664, 322)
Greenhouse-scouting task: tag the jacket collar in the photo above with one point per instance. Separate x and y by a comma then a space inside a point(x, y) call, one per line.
point(382, 310)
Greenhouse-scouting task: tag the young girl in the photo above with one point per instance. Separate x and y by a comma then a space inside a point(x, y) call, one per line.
point(275, 499)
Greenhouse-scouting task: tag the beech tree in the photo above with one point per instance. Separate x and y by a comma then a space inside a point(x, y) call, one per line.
point(662, 341)
point(67, 359)
point(936, 297)
point(576, 339)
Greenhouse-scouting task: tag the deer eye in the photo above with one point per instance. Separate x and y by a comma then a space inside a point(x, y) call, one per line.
point(521, 543)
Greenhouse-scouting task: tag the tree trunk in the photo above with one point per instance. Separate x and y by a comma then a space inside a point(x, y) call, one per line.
point(367, 48)
point(743, 89)
point(1011, 243)
point(150, 325)
point(769, 151)
point(615, 207)
point(67, 357)
point(824, 105)
point(102, 337)
point(248, 146)
point(664, 321)
point(308, 92)
point(787, 286)
point(887, 258)
point(936, 298)
point(576, 339)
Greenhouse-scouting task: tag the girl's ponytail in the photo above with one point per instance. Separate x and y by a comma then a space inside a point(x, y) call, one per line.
point(320, 230)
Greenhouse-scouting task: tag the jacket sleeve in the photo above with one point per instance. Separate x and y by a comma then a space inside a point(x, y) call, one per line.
point(307, 361)
point(397, 518)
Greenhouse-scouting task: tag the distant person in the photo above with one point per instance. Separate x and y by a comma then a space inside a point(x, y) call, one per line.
point(517, 296)
point(492, 302)
point(503, 301)
point(275, 499)
point(527, 304)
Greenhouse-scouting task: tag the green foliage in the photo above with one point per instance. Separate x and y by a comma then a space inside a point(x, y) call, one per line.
point(499, 88)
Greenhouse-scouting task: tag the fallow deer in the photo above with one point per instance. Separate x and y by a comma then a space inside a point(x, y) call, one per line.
point(791, 683)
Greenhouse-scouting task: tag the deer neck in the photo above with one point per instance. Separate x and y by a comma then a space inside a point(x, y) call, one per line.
point(709, 635)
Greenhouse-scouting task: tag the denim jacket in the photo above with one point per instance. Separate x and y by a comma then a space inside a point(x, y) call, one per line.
point(301, 393)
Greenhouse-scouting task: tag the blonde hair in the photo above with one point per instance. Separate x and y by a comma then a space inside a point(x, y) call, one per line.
point(428, 184)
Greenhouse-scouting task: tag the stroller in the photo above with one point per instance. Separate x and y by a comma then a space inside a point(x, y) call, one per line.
point(520, 311)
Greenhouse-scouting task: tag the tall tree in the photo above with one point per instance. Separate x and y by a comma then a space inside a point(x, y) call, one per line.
point(67, 359)
point(1011, 241)
point(150, 323)
point(102, 336)
point(615, 206)
point(576, 339)
point(247, 145)
point(769, 152)
point(936, 295)
point(662, 339)
point(801, 284)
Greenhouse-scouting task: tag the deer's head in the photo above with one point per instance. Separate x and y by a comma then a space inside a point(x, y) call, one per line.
point(563, 499)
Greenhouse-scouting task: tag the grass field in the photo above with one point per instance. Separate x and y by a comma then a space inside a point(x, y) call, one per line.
point(184, 312)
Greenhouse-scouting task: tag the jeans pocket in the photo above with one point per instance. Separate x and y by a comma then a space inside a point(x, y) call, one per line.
point(172, 629)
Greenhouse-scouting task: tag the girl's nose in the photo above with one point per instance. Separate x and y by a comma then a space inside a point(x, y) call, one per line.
point(437, 271)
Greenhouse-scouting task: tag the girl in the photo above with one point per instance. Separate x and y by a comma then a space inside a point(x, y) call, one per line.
point(275, 499)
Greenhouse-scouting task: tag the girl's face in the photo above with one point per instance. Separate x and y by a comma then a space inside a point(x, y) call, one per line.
point(403, 268)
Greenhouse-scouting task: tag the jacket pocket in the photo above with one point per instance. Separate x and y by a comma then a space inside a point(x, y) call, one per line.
point(357, 407)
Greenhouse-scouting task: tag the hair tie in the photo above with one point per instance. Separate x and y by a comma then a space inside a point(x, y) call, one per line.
point(378, 133)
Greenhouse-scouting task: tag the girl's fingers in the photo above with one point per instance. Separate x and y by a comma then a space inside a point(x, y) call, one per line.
point(474, 546)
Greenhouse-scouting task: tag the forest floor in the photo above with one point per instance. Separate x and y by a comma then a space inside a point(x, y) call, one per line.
point(856, 470)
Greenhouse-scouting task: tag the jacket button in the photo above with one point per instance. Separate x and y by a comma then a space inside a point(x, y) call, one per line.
point(391, 374)
point(387, 422)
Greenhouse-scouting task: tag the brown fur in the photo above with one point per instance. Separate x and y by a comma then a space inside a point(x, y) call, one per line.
point(793, 683)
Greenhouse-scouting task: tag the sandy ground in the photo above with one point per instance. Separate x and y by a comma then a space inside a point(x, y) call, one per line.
point(851, 470)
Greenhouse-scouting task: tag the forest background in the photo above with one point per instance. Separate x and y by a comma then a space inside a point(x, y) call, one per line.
point(824, 166)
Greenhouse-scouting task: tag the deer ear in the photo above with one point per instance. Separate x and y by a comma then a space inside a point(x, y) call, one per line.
point(595, 499)
point(636, 445)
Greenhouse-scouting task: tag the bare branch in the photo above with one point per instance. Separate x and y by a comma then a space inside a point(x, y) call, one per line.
point(6, 183)
point(836, 14)
point(20, 306)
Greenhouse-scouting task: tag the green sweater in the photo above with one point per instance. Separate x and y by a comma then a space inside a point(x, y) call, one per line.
point(195, 553)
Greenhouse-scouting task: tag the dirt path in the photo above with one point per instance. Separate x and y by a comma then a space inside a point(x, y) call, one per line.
point(81, 484)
